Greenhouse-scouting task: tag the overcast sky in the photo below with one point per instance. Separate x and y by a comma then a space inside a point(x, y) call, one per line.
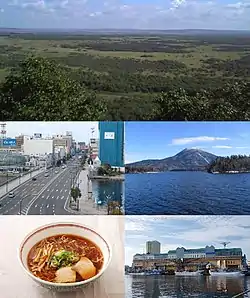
point(187, 231)
point(139, 14)
point(81, 130)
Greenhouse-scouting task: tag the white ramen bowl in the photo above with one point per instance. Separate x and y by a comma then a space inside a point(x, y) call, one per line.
point(69, 228)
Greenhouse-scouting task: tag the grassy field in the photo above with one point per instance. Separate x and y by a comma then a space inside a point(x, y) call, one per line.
point(155, 59)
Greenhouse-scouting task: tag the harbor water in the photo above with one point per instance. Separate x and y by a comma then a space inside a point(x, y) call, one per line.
point(164, 286)
point(197, 193)
point(105, 190)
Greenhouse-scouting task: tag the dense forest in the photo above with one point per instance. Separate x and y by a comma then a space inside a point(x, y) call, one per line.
point(124, 77)
point(234, 163)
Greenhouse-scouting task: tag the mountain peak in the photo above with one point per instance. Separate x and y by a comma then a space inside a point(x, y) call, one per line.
point(187, 159)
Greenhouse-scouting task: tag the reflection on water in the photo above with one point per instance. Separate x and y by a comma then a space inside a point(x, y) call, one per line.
point(183, 287)
point(103, 191)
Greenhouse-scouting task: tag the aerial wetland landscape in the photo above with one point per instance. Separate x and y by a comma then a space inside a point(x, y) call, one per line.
point(176, 75)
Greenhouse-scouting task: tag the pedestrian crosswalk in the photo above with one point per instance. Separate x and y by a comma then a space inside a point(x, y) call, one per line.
point(24, 210)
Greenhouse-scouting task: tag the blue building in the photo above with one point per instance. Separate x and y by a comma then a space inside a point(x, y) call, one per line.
point(111, 143)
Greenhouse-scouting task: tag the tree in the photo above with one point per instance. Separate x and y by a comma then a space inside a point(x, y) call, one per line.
point(114, 208)
point(75, 193)
point(229, 102)
point(42, 90)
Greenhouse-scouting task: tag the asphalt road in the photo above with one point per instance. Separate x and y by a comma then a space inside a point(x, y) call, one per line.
point(45, 196)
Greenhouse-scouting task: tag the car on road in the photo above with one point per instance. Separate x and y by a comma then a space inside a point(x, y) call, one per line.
point(11, 194)
point(63, 167)
point(34, 178)
point(56, 172)
point(46, 174)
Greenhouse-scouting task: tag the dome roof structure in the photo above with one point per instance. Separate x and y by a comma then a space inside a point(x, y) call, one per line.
point(11, 158)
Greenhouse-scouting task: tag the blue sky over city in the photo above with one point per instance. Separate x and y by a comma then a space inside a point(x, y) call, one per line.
point(81, 130)
point(120, 14)
point(187, 231)
point(157, 140)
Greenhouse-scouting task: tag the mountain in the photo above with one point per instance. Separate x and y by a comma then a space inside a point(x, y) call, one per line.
point(186, 160)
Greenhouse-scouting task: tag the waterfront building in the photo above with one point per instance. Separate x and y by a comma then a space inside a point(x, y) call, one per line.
point(153, 247)
point(191, 259)
point(111, 145)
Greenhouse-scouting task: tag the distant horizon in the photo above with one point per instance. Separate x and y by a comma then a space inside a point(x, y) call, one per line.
point(122, 29)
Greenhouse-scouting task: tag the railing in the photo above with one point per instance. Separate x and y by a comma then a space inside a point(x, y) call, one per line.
point(241, 294)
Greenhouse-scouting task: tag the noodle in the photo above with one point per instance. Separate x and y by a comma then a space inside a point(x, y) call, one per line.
point(43, 257)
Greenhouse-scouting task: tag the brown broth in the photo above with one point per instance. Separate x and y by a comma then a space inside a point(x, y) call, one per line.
point(80, 245)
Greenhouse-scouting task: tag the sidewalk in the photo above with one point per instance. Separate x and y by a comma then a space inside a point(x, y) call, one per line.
point(4, 189)
point(87, 204)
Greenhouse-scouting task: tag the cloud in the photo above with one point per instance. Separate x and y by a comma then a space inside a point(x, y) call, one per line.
point(185, 141)
point(222, 147)
point(190, 232)
point(179, 14)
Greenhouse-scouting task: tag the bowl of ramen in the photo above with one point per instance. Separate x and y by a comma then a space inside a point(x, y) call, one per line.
point(64, 256)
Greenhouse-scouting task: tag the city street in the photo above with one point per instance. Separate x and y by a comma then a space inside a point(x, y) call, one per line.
point(44, 196)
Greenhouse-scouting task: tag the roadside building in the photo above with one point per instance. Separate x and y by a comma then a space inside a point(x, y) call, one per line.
point(38, 147)
point(19, 142)
point(111, 144)
point(12, 161)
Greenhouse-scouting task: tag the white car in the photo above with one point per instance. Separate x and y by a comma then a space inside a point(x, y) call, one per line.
point(11, 194)
point(56, 172)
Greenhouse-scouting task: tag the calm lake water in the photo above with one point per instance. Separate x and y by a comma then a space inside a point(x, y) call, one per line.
point(105, 190)
point(187, 193)
point(185, 287)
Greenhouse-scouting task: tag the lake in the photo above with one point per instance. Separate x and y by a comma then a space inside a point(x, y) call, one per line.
point(185, 287)
point(187, 193)
point(105, 190)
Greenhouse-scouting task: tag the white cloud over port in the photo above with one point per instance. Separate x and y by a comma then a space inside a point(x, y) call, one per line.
point(191, 140)
point(190, 232)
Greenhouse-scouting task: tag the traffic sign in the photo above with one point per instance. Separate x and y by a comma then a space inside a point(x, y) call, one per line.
point(9, 142)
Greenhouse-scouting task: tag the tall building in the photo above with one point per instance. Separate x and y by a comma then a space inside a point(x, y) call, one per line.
point(19, 141)
point(94, 148)
point(153, 247)
point(111, 144)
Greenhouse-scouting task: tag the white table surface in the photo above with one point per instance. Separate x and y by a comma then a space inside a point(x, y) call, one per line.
point(15, 283)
